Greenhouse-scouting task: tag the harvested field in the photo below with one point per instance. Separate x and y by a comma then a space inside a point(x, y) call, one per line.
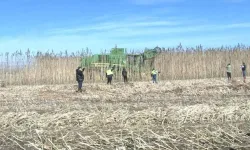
point(188, 114)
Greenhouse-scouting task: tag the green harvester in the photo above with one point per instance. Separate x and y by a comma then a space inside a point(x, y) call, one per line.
point(119, 58)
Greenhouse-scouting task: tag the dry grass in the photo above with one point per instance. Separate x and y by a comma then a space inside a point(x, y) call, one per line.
point(30, 68)
point(175, 115)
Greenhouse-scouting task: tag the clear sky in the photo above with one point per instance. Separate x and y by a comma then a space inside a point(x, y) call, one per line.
point(100, 24)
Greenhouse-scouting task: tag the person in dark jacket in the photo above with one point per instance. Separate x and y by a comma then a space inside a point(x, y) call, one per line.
point(243, 68)
point(124, 75)
point(79, 78)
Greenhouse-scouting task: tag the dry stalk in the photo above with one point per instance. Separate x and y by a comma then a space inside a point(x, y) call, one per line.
point(35, 146)
point(63, 138)
point(88, 145)
point(14, 141)
point(160, 137)
point(53, 144)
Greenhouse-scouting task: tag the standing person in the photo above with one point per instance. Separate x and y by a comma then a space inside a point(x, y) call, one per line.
point(243, 68)
point(154, 75)
point(124, 75)
point(109, 75)
point(79, 78)
point(229, 72)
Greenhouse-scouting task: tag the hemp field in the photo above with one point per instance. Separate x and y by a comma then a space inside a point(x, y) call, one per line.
point(175, 115)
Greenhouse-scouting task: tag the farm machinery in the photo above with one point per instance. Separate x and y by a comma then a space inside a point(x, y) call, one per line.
point(119, 58)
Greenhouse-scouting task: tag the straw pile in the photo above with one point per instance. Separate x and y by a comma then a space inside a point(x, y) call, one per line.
point(188, 114)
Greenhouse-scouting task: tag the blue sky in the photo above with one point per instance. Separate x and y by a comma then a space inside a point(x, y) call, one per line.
point(135, 24)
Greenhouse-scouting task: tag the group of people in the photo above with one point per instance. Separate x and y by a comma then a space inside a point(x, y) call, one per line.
point(154, 73)
point(229, 71)
point(109, 76)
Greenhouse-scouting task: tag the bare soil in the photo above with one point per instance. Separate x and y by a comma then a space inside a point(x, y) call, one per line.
point(188, 114)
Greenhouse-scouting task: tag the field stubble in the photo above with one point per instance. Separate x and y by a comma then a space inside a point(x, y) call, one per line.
point(188, 114)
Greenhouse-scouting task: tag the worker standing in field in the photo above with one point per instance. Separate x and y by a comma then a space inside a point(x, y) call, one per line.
point(243, 68)
point(154, 74)
point(79, 78)
point(124, 75)
point(109, 75)
point(229, 72)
